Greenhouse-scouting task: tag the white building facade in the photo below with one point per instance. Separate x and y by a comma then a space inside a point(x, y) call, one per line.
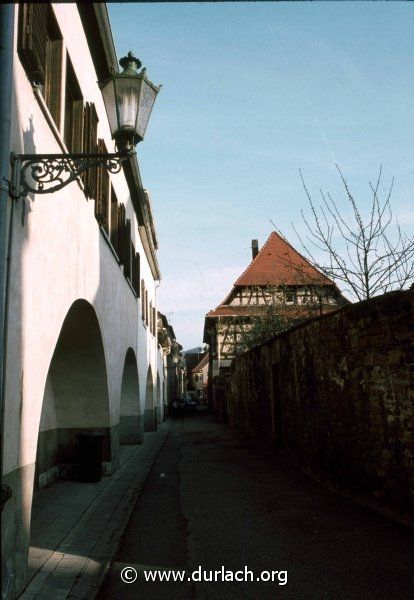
point(81, 346)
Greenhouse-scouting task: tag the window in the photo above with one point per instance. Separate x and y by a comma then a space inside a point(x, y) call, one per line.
point(136, 270)
point(90, 146)
point(142, 300)
point(146, 308)
point(151, 318)
point(73, 130)
point(113, 228)
point(290, 297)
point(127, 258)
point(120, 232)
point(102, 192)
point(40, 51)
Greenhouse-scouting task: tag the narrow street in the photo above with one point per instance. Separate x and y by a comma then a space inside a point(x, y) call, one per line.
point(210, 502)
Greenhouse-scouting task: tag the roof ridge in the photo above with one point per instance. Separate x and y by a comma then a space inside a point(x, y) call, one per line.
point(293, 264)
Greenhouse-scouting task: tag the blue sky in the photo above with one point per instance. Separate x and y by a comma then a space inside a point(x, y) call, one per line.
point(253, 92)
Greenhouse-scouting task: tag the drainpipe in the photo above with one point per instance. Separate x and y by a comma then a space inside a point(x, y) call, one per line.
point(6, 70)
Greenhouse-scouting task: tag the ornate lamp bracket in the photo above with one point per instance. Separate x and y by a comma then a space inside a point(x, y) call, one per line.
point(48, 173)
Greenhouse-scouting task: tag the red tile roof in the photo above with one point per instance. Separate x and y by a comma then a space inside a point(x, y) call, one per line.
point(278, 263)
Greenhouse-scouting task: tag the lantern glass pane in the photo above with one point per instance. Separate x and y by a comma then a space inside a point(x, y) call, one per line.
point(127, 100)
point(147, 100)
point(108, 93)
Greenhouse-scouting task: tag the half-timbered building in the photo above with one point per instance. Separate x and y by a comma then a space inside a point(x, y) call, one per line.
point(278, 279)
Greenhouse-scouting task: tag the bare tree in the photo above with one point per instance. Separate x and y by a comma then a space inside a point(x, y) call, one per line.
point(376, 255)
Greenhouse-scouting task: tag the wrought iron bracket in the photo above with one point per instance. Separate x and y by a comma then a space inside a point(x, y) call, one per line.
point(48, 173)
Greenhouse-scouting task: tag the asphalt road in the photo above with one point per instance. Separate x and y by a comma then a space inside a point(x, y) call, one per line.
point(210, 502)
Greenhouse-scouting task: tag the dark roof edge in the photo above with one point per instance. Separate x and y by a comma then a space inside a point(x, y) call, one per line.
point(95, 21)
point(142, 208)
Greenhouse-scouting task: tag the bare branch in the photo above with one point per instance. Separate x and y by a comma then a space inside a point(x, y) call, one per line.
point(368, 255)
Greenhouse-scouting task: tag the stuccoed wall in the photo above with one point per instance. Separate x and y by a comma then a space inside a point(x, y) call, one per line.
point(60, 257)
point(345, 384)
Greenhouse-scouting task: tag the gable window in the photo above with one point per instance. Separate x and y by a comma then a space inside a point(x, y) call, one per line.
point(40, 50)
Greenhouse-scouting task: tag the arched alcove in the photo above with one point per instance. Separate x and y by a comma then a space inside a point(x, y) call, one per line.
point(76, 395)
point(130, 422)
point(150, 423)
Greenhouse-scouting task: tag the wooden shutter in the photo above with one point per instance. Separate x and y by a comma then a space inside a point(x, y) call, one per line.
point(77, 137)
point(151, 319)
point(135, 268)
point(33, 19)
point(102, 191)
point(90, 146)
point(114, 220)
point(121, 233)
point(137, 274)
point(127, 263)
point(143, 300)
point(53, 78)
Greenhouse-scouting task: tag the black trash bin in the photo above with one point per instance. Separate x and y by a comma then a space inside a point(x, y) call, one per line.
point(90, 456)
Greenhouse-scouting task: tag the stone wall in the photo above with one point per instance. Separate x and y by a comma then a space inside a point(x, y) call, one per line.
point(337, 395)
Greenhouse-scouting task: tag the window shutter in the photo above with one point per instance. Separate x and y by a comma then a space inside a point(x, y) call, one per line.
point(127, 249)
point(90, 146)
point(142, 299)
point(77, 126)
point(121, 233)
point(137, 274)
point(150, 318)
point(53, 78)
point(102, 191)
point(33, 20)
point(114, 220)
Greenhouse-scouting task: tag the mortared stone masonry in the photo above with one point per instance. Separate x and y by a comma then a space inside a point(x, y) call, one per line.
point(337, 396)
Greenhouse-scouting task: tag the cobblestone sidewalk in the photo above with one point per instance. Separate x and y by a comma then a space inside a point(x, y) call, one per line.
point(76, 527)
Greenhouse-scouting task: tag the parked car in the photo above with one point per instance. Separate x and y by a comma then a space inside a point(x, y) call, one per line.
point(189, 403)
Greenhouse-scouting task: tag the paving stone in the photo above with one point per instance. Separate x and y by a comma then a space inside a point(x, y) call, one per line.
point(37, 582)
point(52, 594)
point(80, 524)
point(56, 583)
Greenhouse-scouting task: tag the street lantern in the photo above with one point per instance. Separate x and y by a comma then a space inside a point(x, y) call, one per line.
point(129, 97)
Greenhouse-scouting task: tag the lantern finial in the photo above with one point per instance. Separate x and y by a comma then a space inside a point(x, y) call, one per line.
point(128, 61)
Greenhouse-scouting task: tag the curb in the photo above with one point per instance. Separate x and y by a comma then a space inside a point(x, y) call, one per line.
point(133, 496)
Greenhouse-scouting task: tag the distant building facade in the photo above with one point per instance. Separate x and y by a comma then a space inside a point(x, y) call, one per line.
point(279, 278)
point(191, 358)
point(199, 378)
point(172, 361)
